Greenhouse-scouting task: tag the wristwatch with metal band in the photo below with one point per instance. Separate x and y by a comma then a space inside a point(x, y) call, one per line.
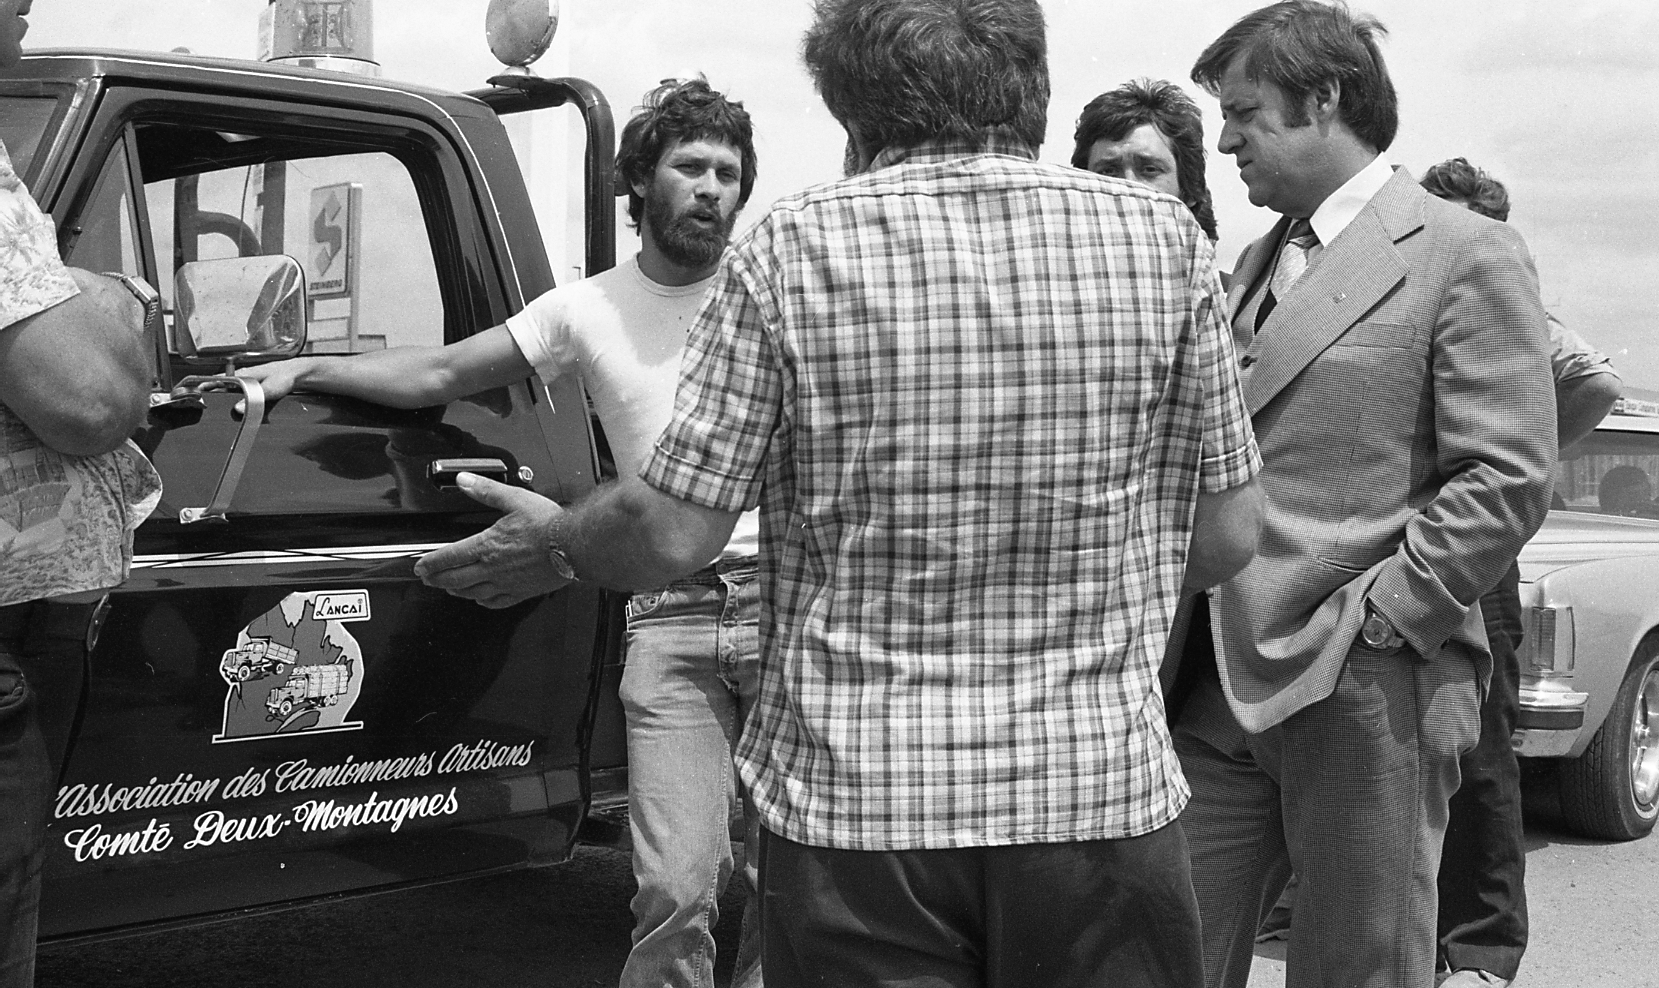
point(1377, 633)
point(142, 290)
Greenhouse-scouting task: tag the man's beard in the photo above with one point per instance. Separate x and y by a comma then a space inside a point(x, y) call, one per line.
point(682, 239)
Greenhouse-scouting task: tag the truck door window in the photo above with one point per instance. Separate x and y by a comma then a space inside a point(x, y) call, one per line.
point(352, 220)
point(22, 124)
point(380, 229)
point(106, 236)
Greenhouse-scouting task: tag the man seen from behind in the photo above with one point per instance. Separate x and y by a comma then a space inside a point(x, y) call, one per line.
point(987, 410)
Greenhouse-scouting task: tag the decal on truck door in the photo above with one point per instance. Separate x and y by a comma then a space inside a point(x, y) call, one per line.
point(295, 669)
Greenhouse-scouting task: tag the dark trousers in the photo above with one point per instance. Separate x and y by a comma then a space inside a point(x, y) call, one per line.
point(42, 670)
point(1351, 792)
point(1483, 904)
point(1102, 913)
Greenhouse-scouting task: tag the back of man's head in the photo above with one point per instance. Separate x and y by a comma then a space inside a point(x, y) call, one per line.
point(672, 114)
point(1305, 48)
point(1458, 181)
point(901, 72)
point(1116, 113)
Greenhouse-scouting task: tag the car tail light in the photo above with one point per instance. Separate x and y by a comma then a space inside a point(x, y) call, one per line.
point(1548, 643)
point(1550, 708)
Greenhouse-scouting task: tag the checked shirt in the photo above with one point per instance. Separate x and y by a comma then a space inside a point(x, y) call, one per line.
point(974, 397)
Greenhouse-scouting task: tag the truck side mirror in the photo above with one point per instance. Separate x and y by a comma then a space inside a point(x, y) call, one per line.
point(519, 32)
point(244, 310)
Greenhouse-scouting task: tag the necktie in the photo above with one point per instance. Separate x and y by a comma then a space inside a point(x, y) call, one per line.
point(1292, 261)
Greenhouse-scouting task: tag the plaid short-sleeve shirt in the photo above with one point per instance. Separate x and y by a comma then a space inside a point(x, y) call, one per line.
point(975, 397)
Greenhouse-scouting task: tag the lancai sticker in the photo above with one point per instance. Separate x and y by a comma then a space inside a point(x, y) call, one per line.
point(295, 669)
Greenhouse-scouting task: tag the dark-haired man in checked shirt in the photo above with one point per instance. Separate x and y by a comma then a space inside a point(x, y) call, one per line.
point(988, 411)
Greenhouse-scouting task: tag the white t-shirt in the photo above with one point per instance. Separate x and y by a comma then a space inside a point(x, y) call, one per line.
point(623, 334)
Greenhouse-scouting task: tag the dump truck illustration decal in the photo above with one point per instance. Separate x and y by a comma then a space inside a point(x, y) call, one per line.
point(307, 688)
point(259, 658)
point(295, 669)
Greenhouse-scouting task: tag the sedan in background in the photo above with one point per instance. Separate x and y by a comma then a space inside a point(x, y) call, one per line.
point(1590, 604)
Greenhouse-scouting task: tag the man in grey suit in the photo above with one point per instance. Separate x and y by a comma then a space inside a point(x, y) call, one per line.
point(1393, 351)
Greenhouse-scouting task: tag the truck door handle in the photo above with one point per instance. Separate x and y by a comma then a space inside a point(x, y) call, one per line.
point(240, 450)
point(442, 472)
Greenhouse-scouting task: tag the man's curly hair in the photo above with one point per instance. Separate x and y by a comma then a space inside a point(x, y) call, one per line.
point(675, 112)
point(1455, 178)
point(1114, 114)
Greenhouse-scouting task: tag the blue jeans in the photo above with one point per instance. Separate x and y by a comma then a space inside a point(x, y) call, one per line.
point(43, 651)
point(690, 679)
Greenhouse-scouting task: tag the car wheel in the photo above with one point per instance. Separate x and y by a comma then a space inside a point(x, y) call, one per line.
point(1612, 790)
point(286, 707)
point(242, 673)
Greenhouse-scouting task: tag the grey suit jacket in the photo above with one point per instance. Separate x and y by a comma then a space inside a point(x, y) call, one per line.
point(1402, 402)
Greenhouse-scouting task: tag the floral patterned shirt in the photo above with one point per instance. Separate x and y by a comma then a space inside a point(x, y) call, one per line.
point(66, 522)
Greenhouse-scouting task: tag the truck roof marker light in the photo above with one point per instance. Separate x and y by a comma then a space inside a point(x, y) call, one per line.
point(320, 34)
point(519, 32)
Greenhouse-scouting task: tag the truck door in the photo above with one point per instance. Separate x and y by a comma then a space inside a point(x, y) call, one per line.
point(277, 709)
point(608, 742)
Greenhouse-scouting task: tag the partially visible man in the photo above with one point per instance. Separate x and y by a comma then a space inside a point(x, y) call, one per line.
point(1483, 906)
point(1152, 133)
point(690, 677)
point(1394, 355)
point(980, 487)
point(1586, 385)
point(74, 384)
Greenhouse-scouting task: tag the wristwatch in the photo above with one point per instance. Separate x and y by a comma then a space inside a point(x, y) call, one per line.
point(1377, 633)
point(147, 296)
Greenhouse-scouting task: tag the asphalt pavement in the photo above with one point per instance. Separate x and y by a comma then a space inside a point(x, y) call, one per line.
point(1595, 921)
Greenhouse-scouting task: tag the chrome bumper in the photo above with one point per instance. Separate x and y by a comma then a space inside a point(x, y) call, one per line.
point(1549, 720)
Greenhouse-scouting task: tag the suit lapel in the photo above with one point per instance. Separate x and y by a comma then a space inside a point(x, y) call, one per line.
point(1351, 276)
point(1250, 266)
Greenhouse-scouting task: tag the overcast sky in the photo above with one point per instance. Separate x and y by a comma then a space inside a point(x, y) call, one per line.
point(1559, 99)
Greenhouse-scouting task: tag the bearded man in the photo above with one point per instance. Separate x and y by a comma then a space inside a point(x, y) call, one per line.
point(688, 160)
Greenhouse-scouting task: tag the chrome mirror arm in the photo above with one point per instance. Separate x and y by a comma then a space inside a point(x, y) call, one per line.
point(253, 417)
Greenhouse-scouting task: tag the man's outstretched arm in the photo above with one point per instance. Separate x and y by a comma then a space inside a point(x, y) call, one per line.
point(403, 376)
point(627, 536)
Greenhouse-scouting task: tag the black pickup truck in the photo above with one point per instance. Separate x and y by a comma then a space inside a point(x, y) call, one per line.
point(277, 710)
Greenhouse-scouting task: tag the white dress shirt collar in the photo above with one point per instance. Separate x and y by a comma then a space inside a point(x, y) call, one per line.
point(1342, 206)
